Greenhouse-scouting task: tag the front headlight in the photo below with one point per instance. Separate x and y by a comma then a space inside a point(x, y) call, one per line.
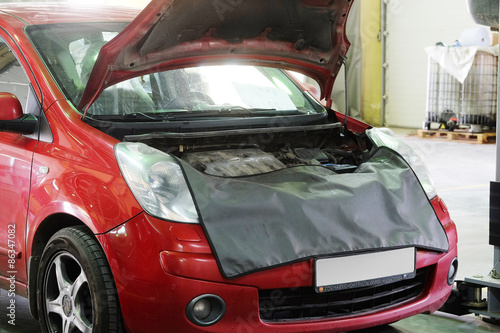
point(385, 138)
point(157, 182)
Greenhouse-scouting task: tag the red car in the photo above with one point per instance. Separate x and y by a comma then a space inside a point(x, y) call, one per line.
point(163, 171)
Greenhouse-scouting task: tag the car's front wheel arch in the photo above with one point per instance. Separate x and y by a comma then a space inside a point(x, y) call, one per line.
point(74, 285)
point(44, 232)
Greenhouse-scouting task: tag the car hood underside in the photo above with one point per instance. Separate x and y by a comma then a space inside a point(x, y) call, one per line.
point(264, 221)
point(302, 35)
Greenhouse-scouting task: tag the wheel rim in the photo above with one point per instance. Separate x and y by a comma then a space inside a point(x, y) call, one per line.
point(68, 300)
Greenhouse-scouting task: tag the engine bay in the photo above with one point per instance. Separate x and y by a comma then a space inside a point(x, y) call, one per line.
point(239, 153)
point(253, 161)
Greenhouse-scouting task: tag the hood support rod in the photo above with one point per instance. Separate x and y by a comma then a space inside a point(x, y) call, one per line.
point(346, 96)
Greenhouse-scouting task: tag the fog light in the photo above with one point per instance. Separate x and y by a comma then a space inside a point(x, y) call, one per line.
point(206, 310)
point(202, 309)
point(452, 271)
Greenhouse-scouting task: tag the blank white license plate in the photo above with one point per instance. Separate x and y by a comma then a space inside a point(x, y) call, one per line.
point(364, 269)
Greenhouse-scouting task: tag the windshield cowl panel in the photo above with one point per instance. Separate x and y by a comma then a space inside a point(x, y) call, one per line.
point(206, 127)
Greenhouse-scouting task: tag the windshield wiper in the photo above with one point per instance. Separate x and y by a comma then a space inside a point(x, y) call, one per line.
point(128, 117)
point(230, 111)
point(242, 108)
point(142, 116)
point(133, 116)
point(181, 114)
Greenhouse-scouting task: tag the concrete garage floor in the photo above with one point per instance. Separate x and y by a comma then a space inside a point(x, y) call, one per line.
point(462, 172)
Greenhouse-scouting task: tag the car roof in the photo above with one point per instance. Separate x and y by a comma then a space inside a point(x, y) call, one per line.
point(47, 13)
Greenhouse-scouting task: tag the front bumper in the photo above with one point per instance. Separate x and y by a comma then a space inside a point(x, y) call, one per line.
point(159, 267)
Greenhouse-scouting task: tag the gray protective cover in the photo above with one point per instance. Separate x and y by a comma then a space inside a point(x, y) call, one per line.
point(264, 221)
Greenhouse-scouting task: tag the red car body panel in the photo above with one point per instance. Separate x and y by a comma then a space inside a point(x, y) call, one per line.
point(186, 268)
point(158, 266)
point(48, 196)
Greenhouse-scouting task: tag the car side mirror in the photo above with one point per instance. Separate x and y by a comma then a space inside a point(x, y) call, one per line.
point(12, 118)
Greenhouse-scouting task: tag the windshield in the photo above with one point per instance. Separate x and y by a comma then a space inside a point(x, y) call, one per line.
point(210, 90)
point(70, 51)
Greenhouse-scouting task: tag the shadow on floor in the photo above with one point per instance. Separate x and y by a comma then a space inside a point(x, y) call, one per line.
point(437, 322)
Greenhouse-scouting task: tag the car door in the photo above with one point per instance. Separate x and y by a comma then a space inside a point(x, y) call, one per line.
point(16, 153)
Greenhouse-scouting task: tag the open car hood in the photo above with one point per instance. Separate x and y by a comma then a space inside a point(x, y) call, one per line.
point(307, 36)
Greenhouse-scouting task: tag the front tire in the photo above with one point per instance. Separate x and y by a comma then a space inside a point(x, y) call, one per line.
point(75, 287)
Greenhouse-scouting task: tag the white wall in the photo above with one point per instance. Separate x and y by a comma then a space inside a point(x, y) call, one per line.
point(414, 25)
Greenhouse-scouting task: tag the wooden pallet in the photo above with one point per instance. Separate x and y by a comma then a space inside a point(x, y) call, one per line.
point(458, 135)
